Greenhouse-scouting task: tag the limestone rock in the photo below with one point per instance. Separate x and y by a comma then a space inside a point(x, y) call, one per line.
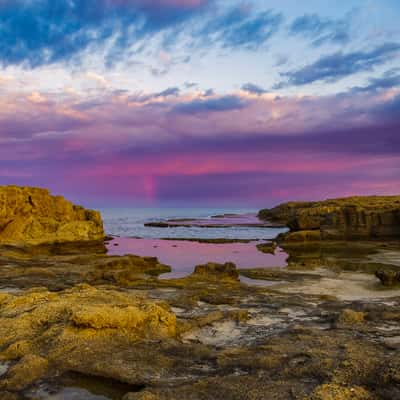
point(41, 328)
point(33, 216)
point(365, 217)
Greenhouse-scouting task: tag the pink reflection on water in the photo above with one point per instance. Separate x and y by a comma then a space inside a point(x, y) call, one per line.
point(183, 256)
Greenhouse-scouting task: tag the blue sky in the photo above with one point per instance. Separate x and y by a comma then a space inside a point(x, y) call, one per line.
point(195, 45)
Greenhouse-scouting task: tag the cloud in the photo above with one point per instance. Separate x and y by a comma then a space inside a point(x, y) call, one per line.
point(218, 104)
point(390, 79)
point(333, 67)
point(36, 33)
point(190, 85)
point(37, 98)
point(147, 97)
point(241, 27)
point(99, 79)
point(321, 30)
point(172, 91)
point(390, 110)
point(296, 148)
point(253, 89)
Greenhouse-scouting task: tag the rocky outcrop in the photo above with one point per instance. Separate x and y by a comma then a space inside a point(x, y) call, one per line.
point(32, 216)
point(366, 217)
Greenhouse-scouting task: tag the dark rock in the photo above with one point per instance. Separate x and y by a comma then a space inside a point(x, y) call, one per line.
point(267, 247)
point(388, 278)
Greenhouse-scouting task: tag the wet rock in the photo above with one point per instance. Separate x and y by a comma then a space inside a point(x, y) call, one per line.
point(213, 271)
point(33, 216)
point(388, 278)
point(268, 247)
point(302, 236)
point(63, 271)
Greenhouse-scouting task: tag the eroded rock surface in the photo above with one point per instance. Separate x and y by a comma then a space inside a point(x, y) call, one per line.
point(346, 218)
point(48, 333)
point(102, 323)
point(32, 216)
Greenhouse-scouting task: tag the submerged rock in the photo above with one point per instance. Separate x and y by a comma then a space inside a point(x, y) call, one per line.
point(32, 216)
point(267, 247)
point(337, 219)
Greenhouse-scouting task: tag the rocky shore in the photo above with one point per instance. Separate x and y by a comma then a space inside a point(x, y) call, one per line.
point(78, 324)
point(352, 218)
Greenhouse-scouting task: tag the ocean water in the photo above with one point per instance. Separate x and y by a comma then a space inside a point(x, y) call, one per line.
point(129, 222)
point(132, 237)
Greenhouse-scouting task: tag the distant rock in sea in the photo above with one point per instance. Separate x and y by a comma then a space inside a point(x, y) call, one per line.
point(32, 216)
point(363, 217)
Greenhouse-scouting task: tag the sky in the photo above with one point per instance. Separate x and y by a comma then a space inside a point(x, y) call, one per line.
point(218, 103)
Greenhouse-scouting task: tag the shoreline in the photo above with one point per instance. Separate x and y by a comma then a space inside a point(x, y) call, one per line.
point(315, 319)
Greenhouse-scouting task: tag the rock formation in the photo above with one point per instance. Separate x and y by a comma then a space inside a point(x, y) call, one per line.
point(366, 217)
point(44, 329)
point(32, 216)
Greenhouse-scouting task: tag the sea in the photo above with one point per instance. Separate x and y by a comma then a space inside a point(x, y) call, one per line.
point(129, 222)
point(131, 236)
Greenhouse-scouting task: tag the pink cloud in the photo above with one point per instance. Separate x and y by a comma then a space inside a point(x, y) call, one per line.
point(148, 151)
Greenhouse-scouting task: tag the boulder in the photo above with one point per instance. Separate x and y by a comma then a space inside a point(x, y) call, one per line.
point(366, 217)
point(214, 271)
point(32, 216)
